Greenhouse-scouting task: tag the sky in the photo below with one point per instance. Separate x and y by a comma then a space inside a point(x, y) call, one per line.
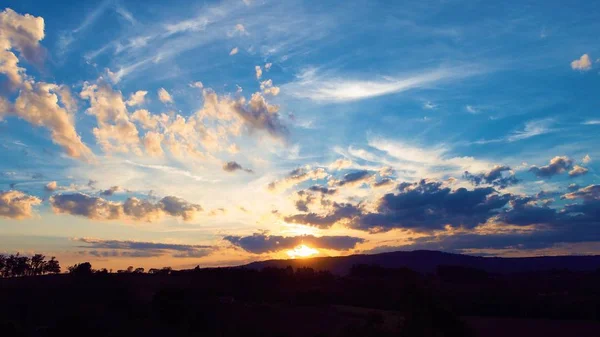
point(216, 133)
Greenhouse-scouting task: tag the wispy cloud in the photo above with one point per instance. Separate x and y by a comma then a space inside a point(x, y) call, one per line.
point(532, 129)
point(337, 88)
point(171, 170)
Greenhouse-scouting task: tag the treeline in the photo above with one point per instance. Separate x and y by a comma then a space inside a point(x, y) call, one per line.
point(85, 268)
point(18, 265)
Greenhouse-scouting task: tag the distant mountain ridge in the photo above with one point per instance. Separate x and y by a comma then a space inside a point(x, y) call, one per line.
point(426, 261)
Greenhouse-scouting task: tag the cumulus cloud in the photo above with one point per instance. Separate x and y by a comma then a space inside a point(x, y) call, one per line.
point(233, 166)
point(115, 131)
point(557, 165)
point(259, 114)
point(258, 71)
point(354, 178)
point(578, 171)
point(152, 144)
point(17, 205)
point(137, 98)
point(39, 105)
point(164, 96)
point(268, 88)
point(297, 176)
point(51, 186)
point(583, 63)
point(336, 212)
point(268, 66)
point(22, 33)
point(106, 248)
point(110, 191)
point(586, 159)
point(591, 192)
point(263, 243)
point(197, 84)
point(233, 51)
point(96, 208)
point(340, 164)
point(494, 177)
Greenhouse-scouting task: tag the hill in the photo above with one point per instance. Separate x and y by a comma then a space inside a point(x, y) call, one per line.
point(426, 261)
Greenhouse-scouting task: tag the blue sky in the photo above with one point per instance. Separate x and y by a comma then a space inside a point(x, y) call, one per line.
point(216, 133)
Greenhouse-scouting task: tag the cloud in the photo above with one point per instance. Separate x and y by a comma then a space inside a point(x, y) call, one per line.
point(426, 205)
point(592, 122)
point(137, 98)
point(164, 96)
point(233, 166)
point(17, 205)
point(586, 159)
point(258, 71)
point(196, 84)
point(259, 114)
point(557, 165)
point(152, 143)
point(233, 51)
point(107, 248)
point(297, 176)
point(589, 193)
point(354, 178)
point(583, 63)
point(115, 131)
point(96, 208)
point(110, 191)
point(532, 129)
point(578, 171)
point(262, 243)
point(268, 88)
point(341, 89)
point(340, 164)
point(38, 104)
point(472, 109)
point(335, 213)
point(51, 186)
point(268, 66)
point(494, 177)
point(22, 33)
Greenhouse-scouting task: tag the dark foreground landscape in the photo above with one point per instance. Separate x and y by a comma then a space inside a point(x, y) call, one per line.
point(419, 293)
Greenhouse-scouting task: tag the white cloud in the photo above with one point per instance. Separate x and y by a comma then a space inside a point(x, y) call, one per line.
point(342, 89)
point(268, 66)
point(472, 109)
point(592, 122)
point(268, 88)
point(583, 63)
point(197, 84)
point(137, 98)
point(258, 72)
point(532, 129)
point(51, 186)
point(586, 159)
point(233, 51)
point(429, 105)
point(164, 96)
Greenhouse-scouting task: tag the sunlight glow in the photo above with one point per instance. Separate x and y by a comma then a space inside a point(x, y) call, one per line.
point(302, 251)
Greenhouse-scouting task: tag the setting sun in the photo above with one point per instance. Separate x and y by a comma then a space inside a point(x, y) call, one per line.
point(302, 251)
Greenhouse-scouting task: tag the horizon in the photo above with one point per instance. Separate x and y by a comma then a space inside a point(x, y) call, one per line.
point(221, 133)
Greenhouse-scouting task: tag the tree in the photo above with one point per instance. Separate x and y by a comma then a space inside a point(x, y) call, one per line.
point(52, 266)
point(139, 270)
point(2, 265)
point(84, 268)
point(37, 264)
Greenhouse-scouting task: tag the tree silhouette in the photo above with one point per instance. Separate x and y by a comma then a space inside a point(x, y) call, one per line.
point(52, 266)
point(84, 268)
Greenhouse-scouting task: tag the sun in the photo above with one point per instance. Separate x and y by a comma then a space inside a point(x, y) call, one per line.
point(302, 251)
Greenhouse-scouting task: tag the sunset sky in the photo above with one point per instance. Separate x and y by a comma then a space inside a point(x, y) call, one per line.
point(183, 133)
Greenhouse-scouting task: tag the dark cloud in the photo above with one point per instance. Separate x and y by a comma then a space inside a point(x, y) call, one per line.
point(322, 189)
point(233, 166)
point(383, 182)
point(591, 192)
point(260, 115)
point(97, 208)
point(110, 191)
point(427, 205)
point(263, 243)
point(494, 177)
point(357, 177)
point(107, 248)
point(557, 165)
point(337, 212)
point(297, 176)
